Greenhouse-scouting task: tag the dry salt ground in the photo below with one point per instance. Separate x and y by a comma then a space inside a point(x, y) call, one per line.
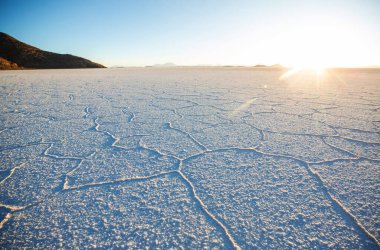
point(214, 158)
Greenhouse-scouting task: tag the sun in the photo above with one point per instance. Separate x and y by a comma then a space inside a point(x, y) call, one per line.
point(319, 45)
point(312, 53)
point(317, 69)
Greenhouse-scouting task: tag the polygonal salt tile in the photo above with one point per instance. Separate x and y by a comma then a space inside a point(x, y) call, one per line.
point(229, 136)
point(358, 148)
point(172, 142)
point(34, 181)
point(359, 114)
point(359, 135)
point(294, 108)
point(15, 156)
point(303, 147)
point(279, 122)
point(198, 110)
point(80, 144)
point(191, 124)
point(117, 164)
point(344, 122)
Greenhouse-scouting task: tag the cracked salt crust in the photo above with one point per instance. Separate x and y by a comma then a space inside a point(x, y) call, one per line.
point(188, 158)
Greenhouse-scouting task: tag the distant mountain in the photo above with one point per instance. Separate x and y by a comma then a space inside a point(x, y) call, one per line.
point(163, 65)
point(18, 55)
point(266, 66)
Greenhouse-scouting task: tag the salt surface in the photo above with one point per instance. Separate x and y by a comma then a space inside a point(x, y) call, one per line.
point(187, 157)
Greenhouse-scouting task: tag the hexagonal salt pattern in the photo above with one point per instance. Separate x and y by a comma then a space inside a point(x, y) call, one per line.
point(189, 158)
point(271, 201)
point(354, 183)
point(158, 213)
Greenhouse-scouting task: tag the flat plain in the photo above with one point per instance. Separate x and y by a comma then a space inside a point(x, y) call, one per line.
point(214, 158)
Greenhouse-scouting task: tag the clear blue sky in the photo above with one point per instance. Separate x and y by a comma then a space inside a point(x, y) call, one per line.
point(189, 32)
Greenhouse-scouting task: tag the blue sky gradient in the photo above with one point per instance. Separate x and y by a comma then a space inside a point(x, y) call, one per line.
point(138, 33)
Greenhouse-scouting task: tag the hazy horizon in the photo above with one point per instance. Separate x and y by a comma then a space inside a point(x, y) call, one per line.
point(217, 33)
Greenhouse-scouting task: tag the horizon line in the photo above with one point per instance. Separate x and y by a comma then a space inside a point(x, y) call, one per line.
point(275, 66)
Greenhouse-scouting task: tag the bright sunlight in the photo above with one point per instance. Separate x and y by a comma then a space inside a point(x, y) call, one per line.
point(321, 45)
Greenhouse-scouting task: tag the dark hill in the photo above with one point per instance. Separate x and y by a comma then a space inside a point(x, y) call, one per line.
point(5, 64)
point(22, 55)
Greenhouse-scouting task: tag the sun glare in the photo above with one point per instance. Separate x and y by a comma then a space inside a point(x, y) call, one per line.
point(317, 71)
point(313, 48)
point(320, 45)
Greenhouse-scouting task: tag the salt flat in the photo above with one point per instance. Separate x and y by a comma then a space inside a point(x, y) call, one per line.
point(189, 158)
